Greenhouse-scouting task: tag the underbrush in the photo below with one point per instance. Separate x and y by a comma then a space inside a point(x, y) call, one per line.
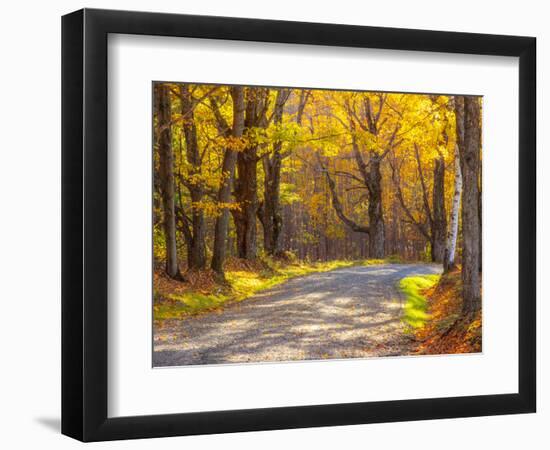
point(440, 326)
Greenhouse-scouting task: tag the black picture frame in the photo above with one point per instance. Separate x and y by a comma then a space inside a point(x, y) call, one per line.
point(84, 224)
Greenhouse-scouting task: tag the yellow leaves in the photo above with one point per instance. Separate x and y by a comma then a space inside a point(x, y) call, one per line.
point(232, 206)
point(213, 209)
point(327, 124)
point(316, 201)
point(195, 179)
point(335, 231)
point(370, 141)
point(307, 238)
point(233, 143)
point(288, 194)
point(209, 208)
point(443, 150)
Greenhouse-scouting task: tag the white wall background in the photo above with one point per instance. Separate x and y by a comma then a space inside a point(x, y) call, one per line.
point(30, 224)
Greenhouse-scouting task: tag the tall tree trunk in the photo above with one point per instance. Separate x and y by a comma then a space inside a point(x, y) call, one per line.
point(166, 175)
point(228, 170)
point(376, 218)
point(247, 197)
point(469, 162)
point(371, 175)
point(246, 184)
point(196, 253)
point(440, 216)
point(452, 235)
point(437, 243)
point(480, 213)
point(272, 218)
point(267, 213)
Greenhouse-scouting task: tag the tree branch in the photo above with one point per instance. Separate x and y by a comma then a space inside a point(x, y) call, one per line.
point(337, 205)
point(420, 226)
point(423, 184)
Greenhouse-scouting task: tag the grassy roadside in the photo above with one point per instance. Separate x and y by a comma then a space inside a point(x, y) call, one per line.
point(175, 300)
point(415, 313)
point(433, 315)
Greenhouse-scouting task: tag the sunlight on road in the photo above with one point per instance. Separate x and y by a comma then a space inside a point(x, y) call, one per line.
point(348, 313)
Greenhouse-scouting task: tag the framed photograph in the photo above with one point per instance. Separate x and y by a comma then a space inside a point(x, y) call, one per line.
point(273, 225)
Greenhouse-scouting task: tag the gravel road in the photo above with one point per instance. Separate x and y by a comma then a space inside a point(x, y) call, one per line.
point(346, 313)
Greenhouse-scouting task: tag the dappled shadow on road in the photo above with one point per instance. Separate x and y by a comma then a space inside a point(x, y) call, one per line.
point(347, 313)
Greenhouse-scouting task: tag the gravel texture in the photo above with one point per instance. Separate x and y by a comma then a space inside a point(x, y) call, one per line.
point(346, 313)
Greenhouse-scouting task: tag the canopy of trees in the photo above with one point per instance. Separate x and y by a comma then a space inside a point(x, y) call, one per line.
point(321, 174)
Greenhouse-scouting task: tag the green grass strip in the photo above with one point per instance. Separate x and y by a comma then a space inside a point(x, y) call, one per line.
point(416, 305)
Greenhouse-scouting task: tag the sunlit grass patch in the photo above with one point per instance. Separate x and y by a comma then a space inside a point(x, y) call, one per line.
point(244, 284)
point(416, 304)
point(176, 306)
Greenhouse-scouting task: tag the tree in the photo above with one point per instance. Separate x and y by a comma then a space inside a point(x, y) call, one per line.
point(439, 234)
point(470, 151)
point(233, 135)
point(246, 183)
point(427, 136)
point(450, 249)
point(372, 124)
point(196, 251)
point(433, 226)
point(166, 175)
point(270, 213)
point(436, 232)
point(366, 129)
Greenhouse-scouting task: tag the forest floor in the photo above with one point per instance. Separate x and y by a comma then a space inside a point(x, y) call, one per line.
point(350, 312)
point(443, 329)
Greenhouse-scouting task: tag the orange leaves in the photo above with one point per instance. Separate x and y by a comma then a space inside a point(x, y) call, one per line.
point(448, 331)
point(237, 144)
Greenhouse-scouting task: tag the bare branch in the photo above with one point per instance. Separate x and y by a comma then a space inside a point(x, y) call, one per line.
point(423, 184)
point(419, 225)
point(336, 202)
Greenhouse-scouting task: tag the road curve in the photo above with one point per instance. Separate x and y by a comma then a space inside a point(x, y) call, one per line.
point(346, 313)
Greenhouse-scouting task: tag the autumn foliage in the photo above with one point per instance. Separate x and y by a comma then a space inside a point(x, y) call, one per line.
point(447, 330)
point(315, 178)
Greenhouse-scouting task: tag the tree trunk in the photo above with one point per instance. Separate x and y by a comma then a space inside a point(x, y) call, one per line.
point(439, 232)
point(376, 218)
point(247, 197)
point(452, 235)
point(196, 253)
point(480, 214)
point(469, 163)
point(272, 218)
point(166, 175)
point(228, 170)
point(246, 189)
point(337, 205)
